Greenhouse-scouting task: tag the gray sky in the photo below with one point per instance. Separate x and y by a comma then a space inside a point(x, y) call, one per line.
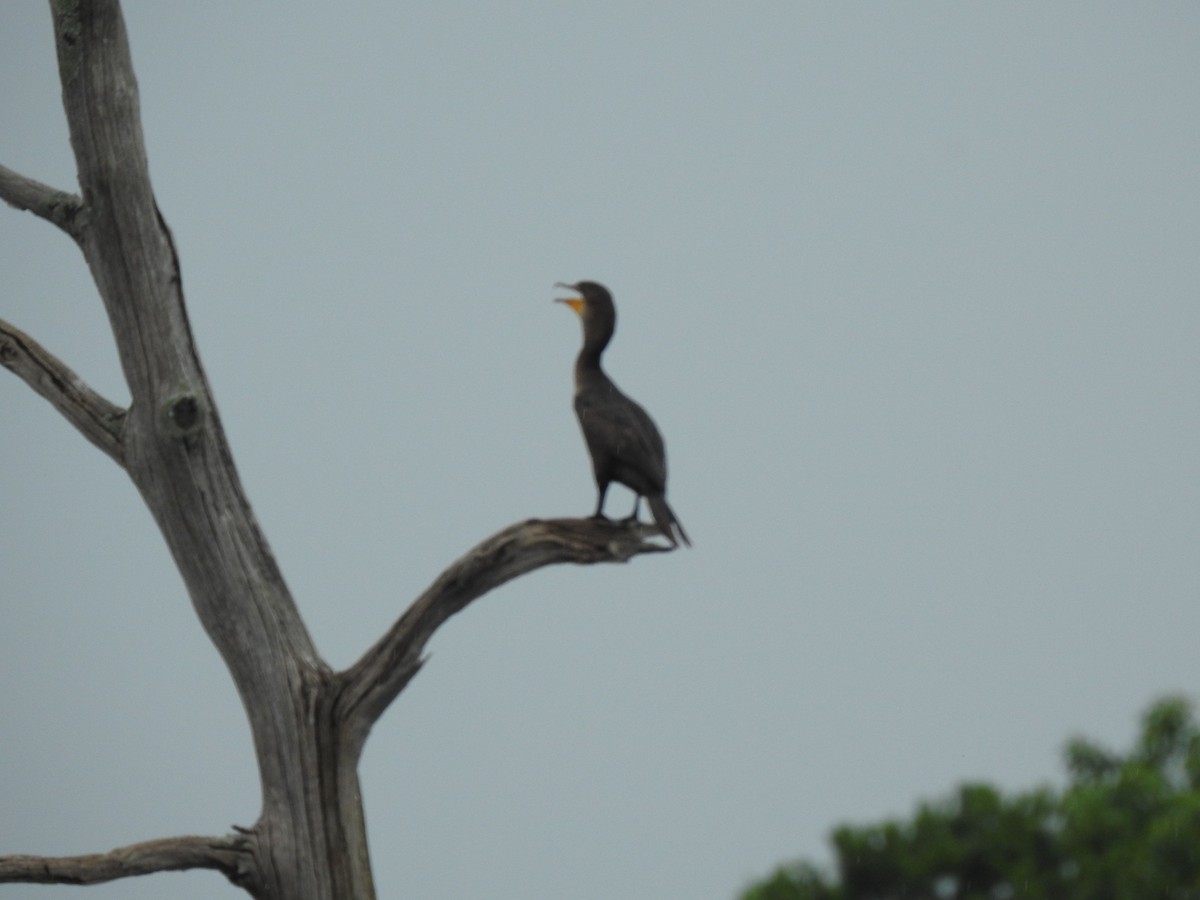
point(911, 290)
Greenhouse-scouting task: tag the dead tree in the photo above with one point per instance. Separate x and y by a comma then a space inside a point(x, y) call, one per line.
point(308, 722)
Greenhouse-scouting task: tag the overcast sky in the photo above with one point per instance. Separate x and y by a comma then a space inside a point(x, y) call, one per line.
point(912, 291)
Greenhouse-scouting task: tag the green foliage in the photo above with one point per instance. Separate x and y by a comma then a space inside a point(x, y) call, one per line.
point(1125, 828)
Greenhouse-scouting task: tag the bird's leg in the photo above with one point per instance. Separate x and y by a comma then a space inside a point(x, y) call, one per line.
point(637, 505)
point(599, 513)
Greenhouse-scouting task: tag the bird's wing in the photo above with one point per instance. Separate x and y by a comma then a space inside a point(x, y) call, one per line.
point(618, 427)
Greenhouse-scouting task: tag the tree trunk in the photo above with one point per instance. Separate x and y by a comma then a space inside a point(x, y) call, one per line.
point(309, 843)
point(308, 722)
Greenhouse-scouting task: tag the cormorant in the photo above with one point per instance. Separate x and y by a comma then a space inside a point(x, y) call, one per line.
point(621, 437)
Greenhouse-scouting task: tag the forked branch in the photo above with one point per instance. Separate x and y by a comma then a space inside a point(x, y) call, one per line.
point(230, 855)
point(57, 207)
point(308, 726)
point(383, 671)
point(96, 418)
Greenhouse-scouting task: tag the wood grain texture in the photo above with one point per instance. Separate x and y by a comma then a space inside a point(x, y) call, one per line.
point(229, 855)
point(97, 419)
point(383, 671)
point(57, 207)
point(308, 723)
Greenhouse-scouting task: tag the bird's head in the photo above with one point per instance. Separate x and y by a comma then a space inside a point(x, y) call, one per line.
point(593, 297)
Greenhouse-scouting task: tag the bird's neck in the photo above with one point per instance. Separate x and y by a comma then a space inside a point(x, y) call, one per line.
point(588, 374)
point(594, 342)
point(588, 360)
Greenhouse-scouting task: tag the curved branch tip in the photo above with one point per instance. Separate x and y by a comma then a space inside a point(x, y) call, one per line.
point(371, 684)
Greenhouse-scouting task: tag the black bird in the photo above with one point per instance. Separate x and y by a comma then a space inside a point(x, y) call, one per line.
point(621, 437)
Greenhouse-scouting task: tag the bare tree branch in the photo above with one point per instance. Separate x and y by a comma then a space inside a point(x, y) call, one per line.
point(383, 671)
point(96, 418)
point(57, 207)
point(231, 855)
point(308, 723)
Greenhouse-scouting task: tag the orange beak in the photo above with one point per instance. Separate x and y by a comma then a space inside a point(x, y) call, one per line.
point(576, 303)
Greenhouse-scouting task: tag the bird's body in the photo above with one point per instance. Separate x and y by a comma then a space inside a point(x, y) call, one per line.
point(622, 439)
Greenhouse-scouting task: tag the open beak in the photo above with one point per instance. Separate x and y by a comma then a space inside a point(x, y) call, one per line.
point(576, 303)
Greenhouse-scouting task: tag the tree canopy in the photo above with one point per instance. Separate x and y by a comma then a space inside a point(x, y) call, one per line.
point(1124, 828)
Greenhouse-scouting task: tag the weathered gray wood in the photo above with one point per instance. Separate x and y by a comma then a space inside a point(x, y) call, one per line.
point(308, 723)
point(225, 854)
point(177, 456)
point(97, 419)
point(383, 671)
point(54, 206)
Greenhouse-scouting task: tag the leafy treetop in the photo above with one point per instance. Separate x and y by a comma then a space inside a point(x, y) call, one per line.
point(1124, 828)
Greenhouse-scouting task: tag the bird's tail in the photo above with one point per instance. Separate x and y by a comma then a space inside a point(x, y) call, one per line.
point(666, 521)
